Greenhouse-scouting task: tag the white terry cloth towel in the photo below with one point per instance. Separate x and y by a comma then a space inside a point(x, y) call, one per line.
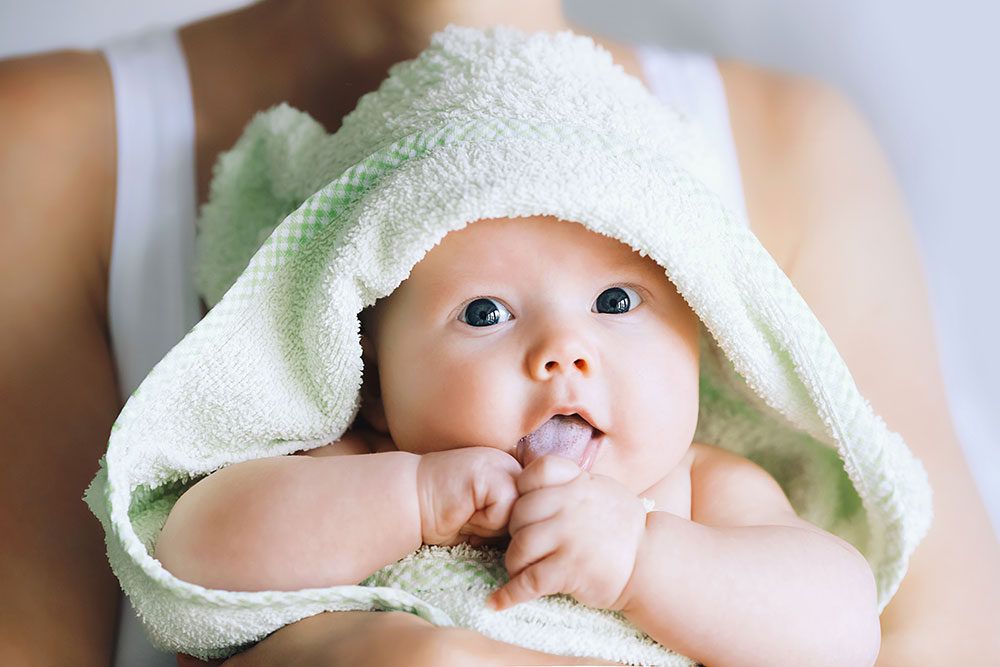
point(483, 124)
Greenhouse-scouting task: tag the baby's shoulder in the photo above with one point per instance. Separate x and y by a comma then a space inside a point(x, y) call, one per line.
point(354, 441)
point(730, 490)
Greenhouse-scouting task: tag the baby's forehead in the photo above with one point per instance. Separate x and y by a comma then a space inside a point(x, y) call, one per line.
point(532, 259)
point(529, 255)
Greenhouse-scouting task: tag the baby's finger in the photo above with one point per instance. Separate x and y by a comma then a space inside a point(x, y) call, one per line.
point(547, 471)
point(543, 578)
point(501, 541)
point(531, 545)
point(475, 530)
point(493, 511)
point(535, 506)
point(494, 491)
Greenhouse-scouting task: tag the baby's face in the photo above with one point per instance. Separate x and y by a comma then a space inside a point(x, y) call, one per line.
point(510, 322)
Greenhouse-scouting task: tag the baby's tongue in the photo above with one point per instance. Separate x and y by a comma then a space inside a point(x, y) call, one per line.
point(562, 435)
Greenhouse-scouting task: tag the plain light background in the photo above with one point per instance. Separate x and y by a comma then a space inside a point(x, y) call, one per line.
point(924, 74)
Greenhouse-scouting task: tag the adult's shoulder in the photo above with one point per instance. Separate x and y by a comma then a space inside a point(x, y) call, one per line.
point(795, 136)
point(57, 164)
point(823, 200)
point(60, 100)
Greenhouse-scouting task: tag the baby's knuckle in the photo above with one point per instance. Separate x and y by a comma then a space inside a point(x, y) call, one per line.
point(496, 518)
point(504, 486)
point(549, 463)
point(517, 515)
point(560, 470)
point(536, 580)
point(546, 468)
point(514, 558)
point(496, 489)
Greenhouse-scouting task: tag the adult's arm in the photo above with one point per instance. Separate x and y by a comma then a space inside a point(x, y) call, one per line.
point(823, 200)
point(58, 395)
point(373, 639)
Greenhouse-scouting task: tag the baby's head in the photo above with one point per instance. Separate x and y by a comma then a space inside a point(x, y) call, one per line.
point(510, 322)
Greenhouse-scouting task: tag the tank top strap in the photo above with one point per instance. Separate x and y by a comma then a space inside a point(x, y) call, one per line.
point(690, 81)
point(152, 302)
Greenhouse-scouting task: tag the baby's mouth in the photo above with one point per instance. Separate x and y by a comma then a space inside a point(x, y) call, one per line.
point(570, 436)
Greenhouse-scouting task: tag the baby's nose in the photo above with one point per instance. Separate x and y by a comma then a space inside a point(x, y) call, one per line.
point(560, 353)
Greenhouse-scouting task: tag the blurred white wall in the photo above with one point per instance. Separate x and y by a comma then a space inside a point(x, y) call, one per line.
point(923, 73)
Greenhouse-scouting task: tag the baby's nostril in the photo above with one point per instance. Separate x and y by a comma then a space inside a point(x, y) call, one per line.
point(581, 364)
point(550, 365)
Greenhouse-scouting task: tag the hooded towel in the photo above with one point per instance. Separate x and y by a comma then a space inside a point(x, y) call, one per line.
point(483, 124)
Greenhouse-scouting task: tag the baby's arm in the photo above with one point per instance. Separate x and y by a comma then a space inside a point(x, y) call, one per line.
point(746, 581)
point(293, 522)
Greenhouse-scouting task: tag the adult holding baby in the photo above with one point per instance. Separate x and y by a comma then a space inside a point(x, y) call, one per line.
point(797, 239)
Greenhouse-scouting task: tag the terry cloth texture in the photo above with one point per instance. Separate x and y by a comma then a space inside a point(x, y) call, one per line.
point(481, 125)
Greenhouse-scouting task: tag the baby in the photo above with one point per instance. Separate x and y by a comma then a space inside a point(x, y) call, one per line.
point(536, 379)
point(509, 222)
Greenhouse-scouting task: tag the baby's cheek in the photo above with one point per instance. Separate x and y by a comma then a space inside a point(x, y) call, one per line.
point(661, 396)
point(454, 405)
point(480, 405)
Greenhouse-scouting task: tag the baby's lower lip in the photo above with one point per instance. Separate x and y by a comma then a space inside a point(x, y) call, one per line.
point(591, 451)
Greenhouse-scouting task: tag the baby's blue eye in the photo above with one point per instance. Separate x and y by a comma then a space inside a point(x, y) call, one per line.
point(616, 300)
point(484, 312)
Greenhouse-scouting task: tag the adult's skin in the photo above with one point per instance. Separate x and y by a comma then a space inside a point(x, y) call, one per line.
point(821, 199)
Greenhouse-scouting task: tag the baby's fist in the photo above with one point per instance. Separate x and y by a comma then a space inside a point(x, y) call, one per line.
point(571, 532)
point(466, 491)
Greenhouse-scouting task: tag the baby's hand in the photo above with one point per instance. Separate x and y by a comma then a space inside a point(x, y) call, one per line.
point(464, 492)
point(571, 532)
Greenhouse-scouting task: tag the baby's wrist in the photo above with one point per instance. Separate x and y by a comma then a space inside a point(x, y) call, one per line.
point(428, 495)
point(402, 471)
point(423, 489)
point(632, 586)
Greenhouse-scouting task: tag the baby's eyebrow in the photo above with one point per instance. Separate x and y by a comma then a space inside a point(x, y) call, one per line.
point(634, 267)
point(445, 291)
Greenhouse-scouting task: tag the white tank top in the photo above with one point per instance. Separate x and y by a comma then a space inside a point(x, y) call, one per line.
point(152, 302)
